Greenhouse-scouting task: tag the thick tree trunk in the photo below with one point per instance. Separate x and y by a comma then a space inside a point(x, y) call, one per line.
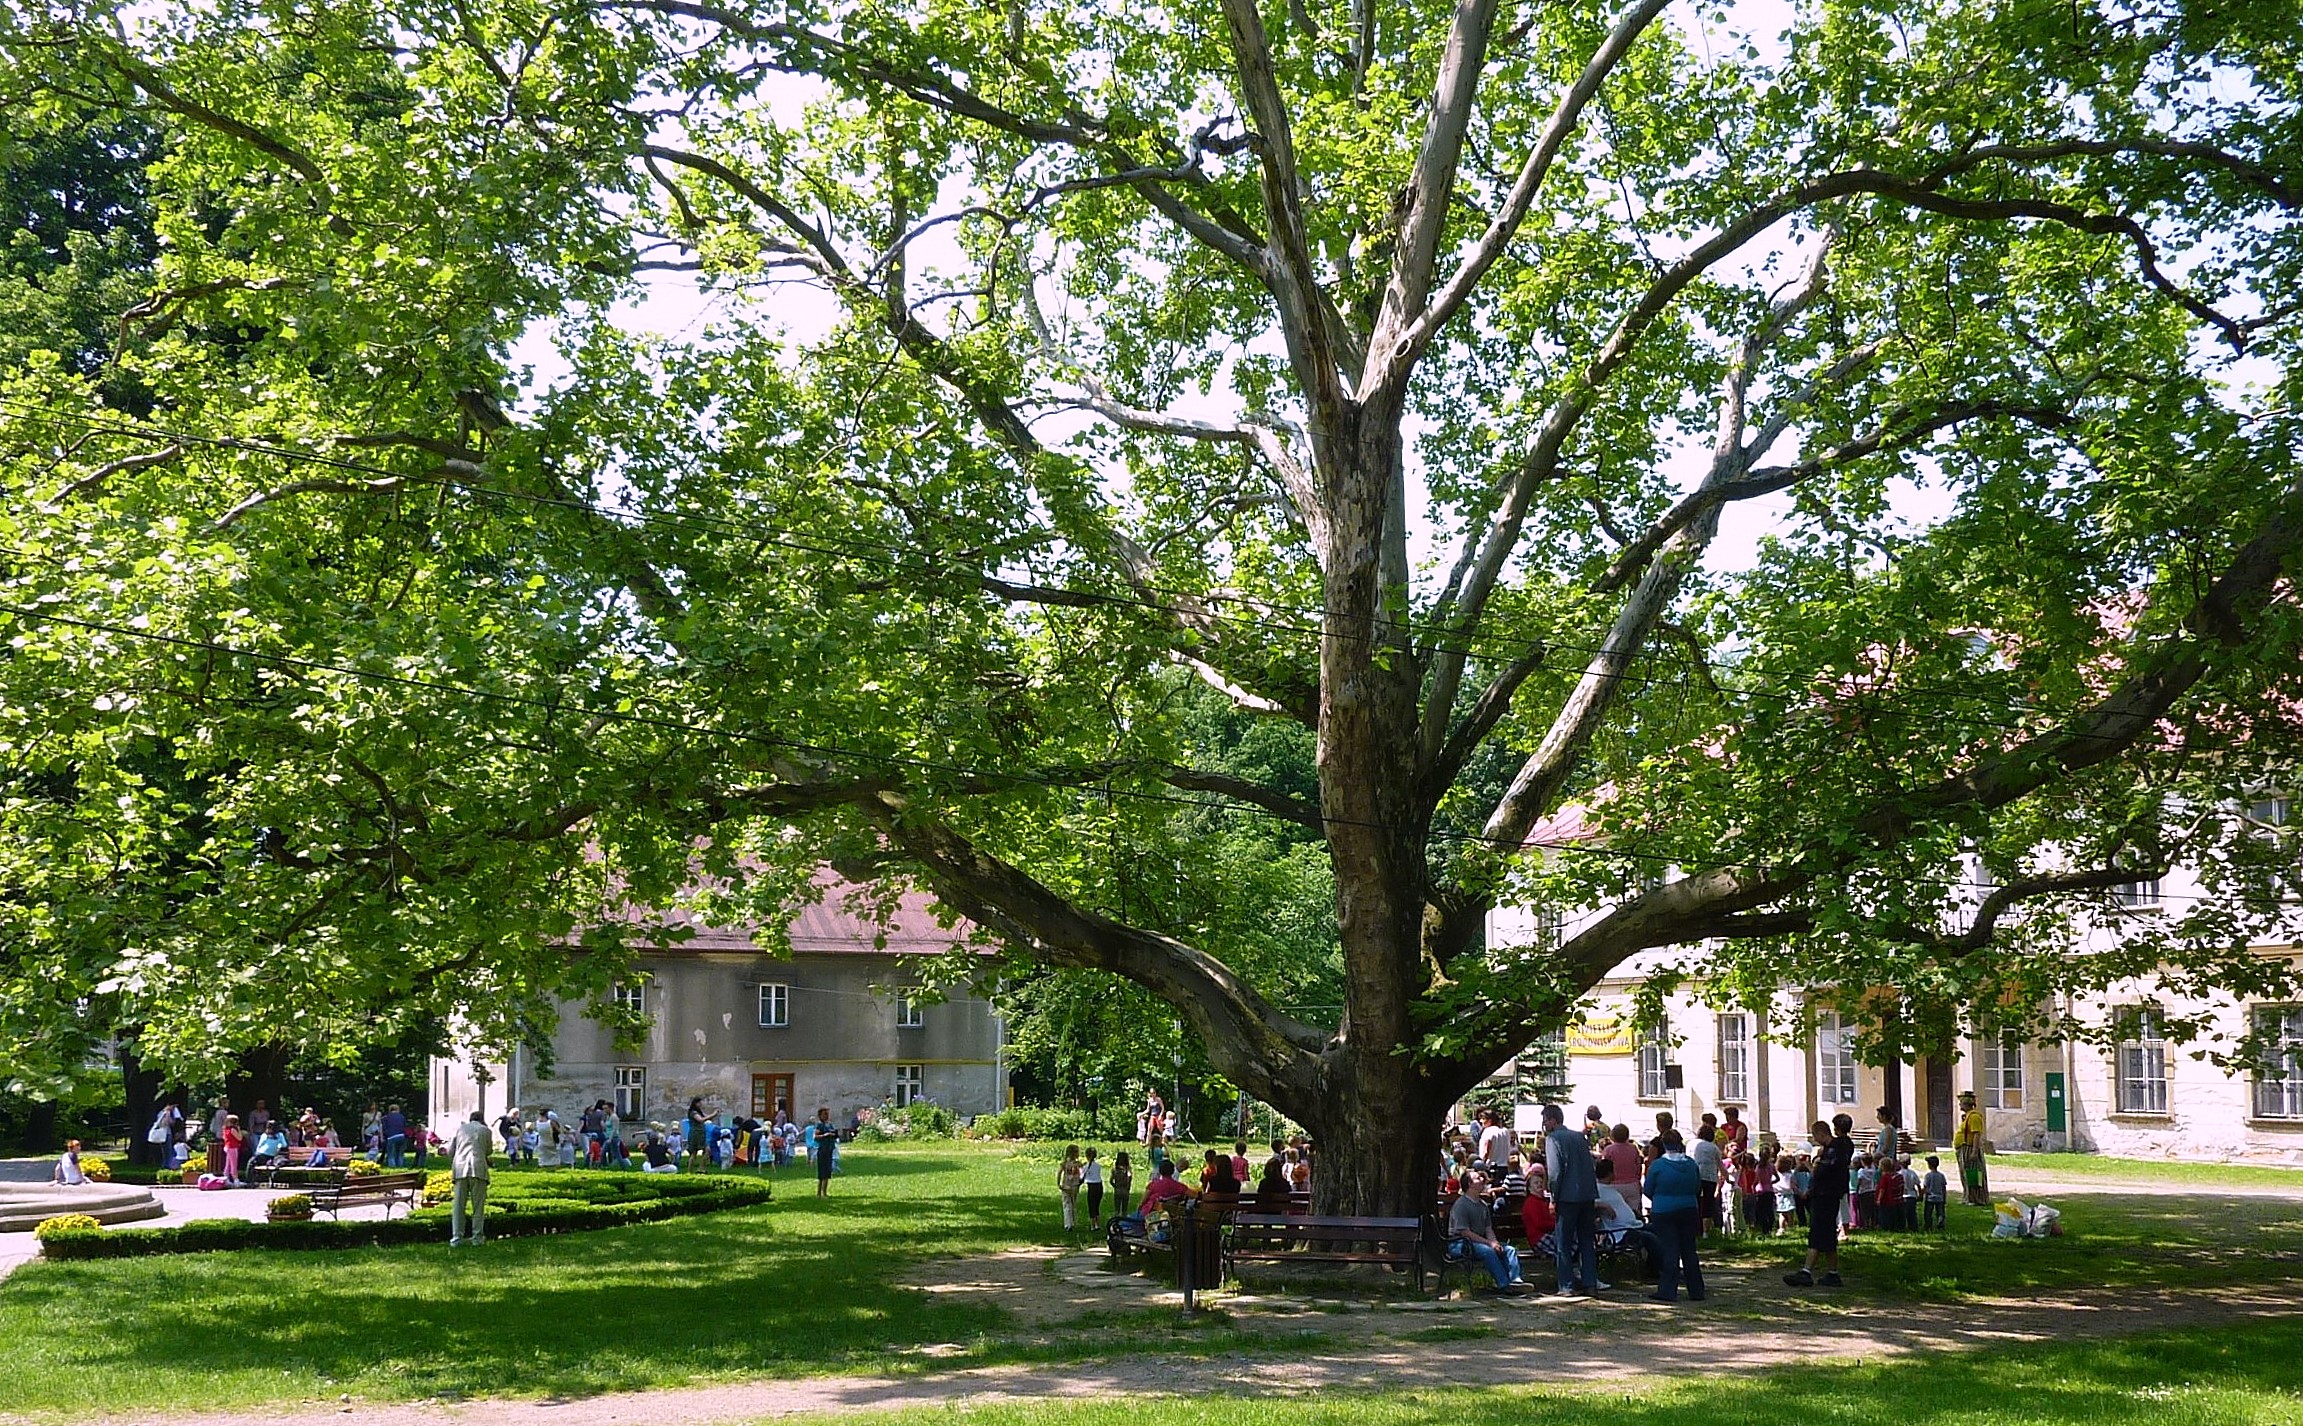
point(1375, 1141)
point(145, 1093)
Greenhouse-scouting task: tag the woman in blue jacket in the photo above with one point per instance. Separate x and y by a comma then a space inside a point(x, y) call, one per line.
point(1672, 1185)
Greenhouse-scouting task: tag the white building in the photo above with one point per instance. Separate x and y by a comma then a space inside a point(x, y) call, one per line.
point(2145, 1096)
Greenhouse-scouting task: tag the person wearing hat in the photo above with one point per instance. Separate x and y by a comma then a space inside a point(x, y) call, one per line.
point(1967, 1143)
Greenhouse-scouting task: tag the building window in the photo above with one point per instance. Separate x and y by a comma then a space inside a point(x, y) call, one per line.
point(1654, 1055)
point(2002, 1086)
point(910, 1014)
point(1735, 1058)
point(1834, 1059)
point(2142, 1062)
point(631, 1091)
point(775, 1006)
point(2137, 895)
point(909, 1082)
point(2279, 1074)
point(630, 995)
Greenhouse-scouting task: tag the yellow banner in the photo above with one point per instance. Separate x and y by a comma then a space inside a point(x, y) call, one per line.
point(1600, 1033)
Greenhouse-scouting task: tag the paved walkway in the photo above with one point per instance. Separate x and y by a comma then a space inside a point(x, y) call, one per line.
point(184, 1205)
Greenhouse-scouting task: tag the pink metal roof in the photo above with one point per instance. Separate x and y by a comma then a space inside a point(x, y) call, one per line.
point(828, 925)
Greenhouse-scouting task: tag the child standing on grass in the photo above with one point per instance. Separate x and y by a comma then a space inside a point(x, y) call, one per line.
point(1787, 1199)
point(1069, 1176)
point(1866, 1193)
point(1092, 1175)
point(1935, 1190)
point(1123, 1183)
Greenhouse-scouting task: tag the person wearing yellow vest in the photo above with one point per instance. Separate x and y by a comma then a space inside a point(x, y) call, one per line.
point(1967, 1143)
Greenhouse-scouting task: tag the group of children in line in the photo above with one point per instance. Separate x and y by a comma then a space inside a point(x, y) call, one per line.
point(1887, 1192)
point(699, 1140)
point(1286, 1176)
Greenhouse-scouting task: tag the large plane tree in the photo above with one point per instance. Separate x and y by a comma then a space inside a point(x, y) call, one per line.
point(1197, 486)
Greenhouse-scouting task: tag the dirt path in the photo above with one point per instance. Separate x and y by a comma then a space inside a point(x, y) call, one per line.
point(1749, 1319)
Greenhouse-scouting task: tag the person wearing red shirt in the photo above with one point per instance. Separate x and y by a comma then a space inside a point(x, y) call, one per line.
point(1535, 1210)
point(1891, 1195)
point(1165, 1187)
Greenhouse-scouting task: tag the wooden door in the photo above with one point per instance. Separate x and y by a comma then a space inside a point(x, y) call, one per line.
point(1938, 1096)
point(769, 1091)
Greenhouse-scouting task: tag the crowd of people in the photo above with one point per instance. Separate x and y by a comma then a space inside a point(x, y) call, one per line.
point(1571, 1190)
point(1575, 1189)
point(233, 1148)
point(702, 1139)
point(237, 1147)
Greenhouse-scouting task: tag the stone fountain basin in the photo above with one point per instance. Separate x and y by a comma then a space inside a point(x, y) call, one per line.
point(24, 1205)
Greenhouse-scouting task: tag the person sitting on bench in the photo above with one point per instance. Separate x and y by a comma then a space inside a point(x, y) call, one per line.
point(1165, 1188)
point(271, 1148)
point(1471, 1234)
point(1614, 1213)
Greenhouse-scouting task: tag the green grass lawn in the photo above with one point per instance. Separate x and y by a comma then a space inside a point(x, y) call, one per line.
point(2248, 1375)
point(2111, 1240)
point(805, 1287)
point(2154, 1170)
point(798, 1285)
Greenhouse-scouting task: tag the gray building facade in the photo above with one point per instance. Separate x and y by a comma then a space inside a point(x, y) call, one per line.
point(745, 1030)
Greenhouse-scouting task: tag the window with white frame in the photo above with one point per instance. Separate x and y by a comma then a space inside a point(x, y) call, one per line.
point(775, 1006)
point(1834, 1059)
point(2001, 1070)
point(2137, 895)
point(631, 1091)
point(2279, 1074)
point(1735, 1058)
point(630, 995)
point(910, 1080)
point(2142, 1061)
point(910, 1013)
point(1654, 1055)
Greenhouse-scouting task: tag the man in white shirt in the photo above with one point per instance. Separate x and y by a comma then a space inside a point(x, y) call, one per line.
point(1495, 1141)
point(1614, 1212)
point(468, 1181)
point(1705, 1152)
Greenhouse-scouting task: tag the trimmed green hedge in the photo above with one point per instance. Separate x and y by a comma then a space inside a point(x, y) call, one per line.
point(513, 1218)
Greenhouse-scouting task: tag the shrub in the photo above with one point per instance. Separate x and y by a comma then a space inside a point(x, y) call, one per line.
point(1007, 1124)
point(98, 1170)
point(289, 1208)
point(917, 1121)
point(362, 1168)
point(676, 1198)
point(1064, 1125)
point(67, 1225)
point(439, 1188)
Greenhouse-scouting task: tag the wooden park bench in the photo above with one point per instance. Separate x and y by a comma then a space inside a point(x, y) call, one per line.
point(297, 1167)
point(385, 1188)
point(1309, 1238)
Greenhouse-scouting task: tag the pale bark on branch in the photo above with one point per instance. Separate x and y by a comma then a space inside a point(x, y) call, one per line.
point(1250, 1040)
point(1293, 277)
point(1395, 347)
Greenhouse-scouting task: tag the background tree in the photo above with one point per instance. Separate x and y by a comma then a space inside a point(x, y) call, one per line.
point(1389, 370)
